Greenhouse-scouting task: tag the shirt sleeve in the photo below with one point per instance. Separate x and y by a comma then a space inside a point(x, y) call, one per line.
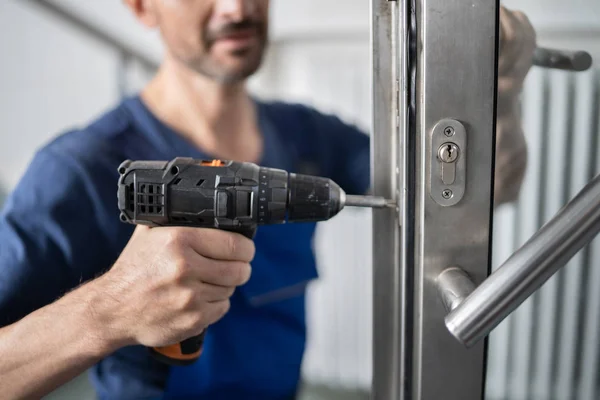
point(49, 242)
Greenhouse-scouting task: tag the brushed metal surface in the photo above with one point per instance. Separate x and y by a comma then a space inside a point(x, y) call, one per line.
point(389, 306)
point(456, 79)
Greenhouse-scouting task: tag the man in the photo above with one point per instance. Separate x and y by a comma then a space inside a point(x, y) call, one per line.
point(121, 289)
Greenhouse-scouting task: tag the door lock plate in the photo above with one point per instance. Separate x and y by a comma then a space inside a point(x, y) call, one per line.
point(447, 179)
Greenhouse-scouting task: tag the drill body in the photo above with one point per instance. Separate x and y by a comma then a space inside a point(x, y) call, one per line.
point(228, 195)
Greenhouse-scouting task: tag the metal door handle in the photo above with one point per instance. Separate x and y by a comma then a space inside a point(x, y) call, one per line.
point(475, 311)
point(562, 59)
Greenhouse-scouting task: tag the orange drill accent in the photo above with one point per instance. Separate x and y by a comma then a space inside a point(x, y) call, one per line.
point(174, 351)
point(213, 163)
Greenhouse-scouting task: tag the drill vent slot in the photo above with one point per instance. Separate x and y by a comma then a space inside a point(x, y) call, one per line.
point(200, 182)
point(176, 181)
point(150, 199)
point(131, 197)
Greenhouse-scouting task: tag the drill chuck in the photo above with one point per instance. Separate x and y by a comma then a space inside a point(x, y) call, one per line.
point(313, 198)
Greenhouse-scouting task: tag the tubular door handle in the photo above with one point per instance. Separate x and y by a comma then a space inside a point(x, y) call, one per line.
point(473, 312)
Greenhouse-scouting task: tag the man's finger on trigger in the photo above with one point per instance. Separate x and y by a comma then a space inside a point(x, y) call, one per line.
point(223, 245)
point(222, 273)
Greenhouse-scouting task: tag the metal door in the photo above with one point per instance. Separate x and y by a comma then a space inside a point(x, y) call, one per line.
point(434, 101)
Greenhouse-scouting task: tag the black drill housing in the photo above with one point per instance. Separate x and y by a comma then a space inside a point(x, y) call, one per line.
point(228, 195)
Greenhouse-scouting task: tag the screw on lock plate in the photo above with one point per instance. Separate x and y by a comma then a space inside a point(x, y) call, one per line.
point(447, 193)
point(449, 131)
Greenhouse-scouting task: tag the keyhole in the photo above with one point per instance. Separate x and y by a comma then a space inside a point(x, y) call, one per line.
point(449, 150)
point(448, 153)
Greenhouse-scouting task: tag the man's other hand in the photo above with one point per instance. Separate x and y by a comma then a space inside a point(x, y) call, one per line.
point(517, 45)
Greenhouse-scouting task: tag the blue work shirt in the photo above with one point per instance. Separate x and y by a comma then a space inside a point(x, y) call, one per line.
point(60, 227)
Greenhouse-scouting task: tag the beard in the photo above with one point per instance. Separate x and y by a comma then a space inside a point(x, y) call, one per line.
point(249, 62)
point(245, 62)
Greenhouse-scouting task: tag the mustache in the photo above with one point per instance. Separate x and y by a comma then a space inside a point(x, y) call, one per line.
point(232, 28)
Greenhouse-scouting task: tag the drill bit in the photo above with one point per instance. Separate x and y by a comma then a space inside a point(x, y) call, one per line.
point(369, 201)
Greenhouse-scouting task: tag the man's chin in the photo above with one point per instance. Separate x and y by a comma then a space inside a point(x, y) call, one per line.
point(232, 70)
point(234, 77)
point(237, 72)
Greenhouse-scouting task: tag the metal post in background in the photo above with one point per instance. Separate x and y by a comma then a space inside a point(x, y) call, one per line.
point(390, 315)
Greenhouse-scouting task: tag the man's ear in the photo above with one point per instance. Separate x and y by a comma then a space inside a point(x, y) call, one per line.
point(144, 11)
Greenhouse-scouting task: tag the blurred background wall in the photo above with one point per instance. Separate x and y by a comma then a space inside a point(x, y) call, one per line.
point(66, 61)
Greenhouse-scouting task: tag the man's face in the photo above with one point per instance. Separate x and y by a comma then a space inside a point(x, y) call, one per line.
point(222, 39)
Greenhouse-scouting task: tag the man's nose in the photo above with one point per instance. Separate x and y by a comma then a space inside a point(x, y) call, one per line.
point(235, 10)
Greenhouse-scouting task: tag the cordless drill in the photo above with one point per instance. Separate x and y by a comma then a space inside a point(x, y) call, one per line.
point(227, 195)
